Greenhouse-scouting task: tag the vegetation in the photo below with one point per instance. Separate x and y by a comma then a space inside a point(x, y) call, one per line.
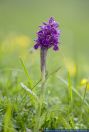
point(65, 104)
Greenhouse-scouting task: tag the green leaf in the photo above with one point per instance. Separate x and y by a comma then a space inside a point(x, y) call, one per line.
point(74, 90)
point(8, 126)
point(28, 90)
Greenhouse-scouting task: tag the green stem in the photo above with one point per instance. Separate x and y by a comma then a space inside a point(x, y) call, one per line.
point(81, 115)
point(43, 54)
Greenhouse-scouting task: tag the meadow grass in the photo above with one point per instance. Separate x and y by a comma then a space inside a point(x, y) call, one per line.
point(64, 106)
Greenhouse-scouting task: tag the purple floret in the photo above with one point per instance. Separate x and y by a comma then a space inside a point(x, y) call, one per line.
point(48, 36)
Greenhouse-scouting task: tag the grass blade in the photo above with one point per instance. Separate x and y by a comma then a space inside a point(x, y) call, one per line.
point(74, 90)
point(26, 72)
point(70, 88)
point(28, 90)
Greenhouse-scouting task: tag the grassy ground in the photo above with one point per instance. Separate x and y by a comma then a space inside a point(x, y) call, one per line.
point(66, 97)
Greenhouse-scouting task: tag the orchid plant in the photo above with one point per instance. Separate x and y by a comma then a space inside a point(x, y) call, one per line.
point(47, 37)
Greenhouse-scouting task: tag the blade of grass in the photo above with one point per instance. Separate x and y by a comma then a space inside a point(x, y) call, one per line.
point(47, 76)
point(70, 88)
point(84, 93)
point(28, 90)
point(74, 90)
point(8, 126)
point(70, 95)
point(26, 72)
point(55, 71)
point(83, 101)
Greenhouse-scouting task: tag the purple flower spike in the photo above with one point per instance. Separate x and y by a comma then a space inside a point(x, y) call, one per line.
point(48, 35)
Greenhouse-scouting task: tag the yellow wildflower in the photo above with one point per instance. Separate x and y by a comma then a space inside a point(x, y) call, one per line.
point(22, 41)
point(13, 42)
point(71, 67)
point(85, 82)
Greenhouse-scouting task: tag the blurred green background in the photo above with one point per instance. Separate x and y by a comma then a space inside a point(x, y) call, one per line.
point(19, 21)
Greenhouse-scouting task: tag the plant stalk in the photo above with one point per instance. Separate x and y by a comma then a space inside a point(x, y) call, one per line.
point(43, 54)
